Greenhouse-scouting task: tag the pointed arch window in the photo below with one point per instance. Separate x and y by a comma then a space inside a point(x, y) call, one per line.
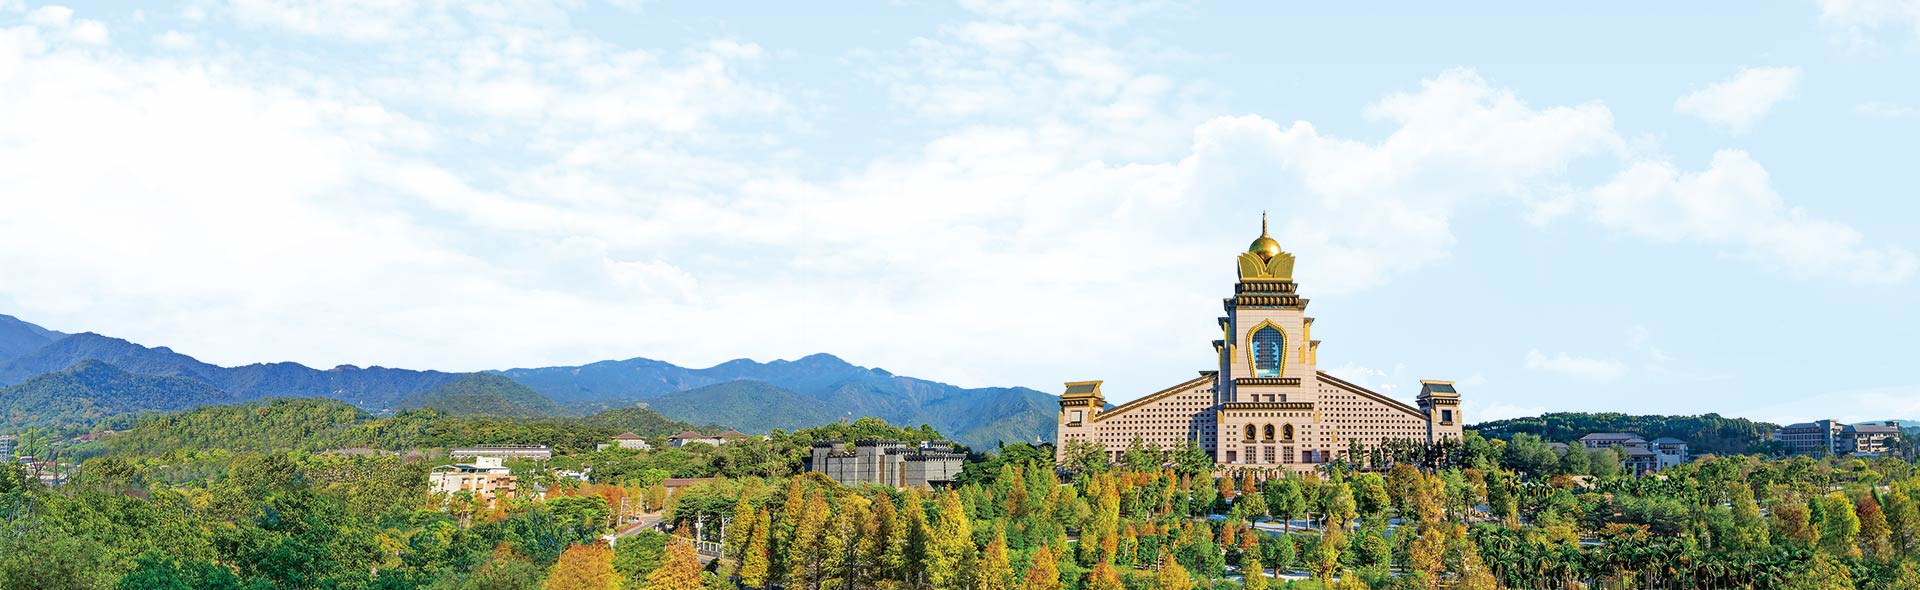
point(1267, 432)
point(1250, 432)
point(1286, 432)
point(1269, 351)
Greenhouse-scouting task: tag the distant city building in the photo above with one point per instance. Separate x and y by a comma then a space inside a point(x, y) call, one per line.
point(690, 437)
point(485, 477)
point(1831, 437)
point(888, 462)
point(6, 446)
point(1265, 404)
point(504, 451)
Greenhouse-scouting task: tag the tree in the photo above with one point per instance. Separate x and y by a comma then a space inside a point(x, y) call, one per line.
point(639, 554)
point(756, 560)
point(1286, 502)
point(1045, 573)
point(1839, 526)
point(1251, 571)
point(1576, 461)
point(1873, 526)
point(1826, 573)
point(1172, 577)
point(996, 571)
point(951, 556)
point(1104, 577)
point(585, 567)
point(681, 570)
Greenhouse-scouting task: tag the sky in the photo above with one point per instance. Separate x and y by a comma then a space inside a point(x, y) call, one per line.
point(1632, 207)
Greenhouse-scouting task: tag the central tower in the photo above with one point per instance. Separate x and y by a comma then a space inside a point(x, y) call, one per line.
point(1266, 390)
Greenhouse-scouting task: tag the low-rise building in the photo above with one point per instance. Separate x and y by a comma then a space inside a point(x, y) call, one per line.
point(690, 437)
point(504, 451)
point(1832, 437)
point(6, 445)
point(629, 440)
point(888, 462)
point(485, 478)
point(1639, 455)
point(1870, 440)
point(1669, 451)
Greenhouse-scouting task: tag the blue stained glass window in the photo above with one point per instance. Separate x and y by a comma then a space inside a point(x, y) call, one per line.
point(1269, 352)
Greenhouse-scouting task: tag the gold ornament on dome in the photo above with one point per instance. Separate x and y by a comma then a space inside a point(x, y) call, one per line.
point(1264, 259)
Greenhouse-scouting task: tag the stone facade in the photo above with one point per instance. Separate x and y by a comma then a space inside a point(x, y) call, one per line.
point(888, 462)
point(1266, 404)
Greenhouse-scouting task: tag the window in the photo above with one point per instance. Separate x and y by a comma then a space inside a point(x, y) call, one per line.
point(1268, 355)
point(1286, 432)
point(1268, 431)
point(1077, 415)
point(1446, 416)
point(1249, 432)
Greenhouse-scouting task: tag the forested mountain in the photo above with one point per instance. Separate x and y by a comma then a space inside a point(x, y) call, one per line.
point(483, 394)
point(750, 406)
point(308, 424)
point(84, 394)
point(18, 337)
point(1710, 433)
point(791, 394)
point(822, 385)
point(371, 388)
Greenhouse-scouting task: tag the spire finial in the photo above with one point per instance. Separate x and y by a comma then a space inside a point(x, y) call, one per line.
point(1263, 223)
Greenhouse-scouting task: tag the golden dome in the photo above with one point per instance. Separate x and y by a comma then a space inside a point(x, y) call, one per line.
point(1265, 246)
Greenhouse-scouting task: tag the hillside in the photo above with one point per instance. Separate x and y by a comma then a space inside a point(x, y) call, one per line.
point(481, 394)
point(830, 387)
point(1710, 433)
point(749, 406)
point(371, 388)
point(81, 396)
point(18, 338)
point(644, 422)
point(821, 387)
point(281, 424)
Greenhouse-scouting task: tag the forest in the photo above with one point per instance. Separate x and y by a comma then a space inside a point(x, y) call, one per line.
point(1482, 514)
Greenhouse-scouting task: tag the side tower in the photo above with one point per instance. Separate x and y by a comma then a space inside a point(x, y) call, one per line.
point(1078, 406)
point(1266, 389)
point(1440, 403)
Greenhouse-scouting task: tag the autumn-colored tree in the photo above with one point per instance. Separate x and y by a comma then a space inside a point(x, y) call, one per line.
point(755, 558)
point(1103, 577)
point(1826, 573)
point(950, 558)
point(1873, 527)
point(1251, 571)
point(680, 571)
point(584, 567)
point(1792, 522)
point(1172, 577)
point(1045, 573)
point(804, 557)
point(996, 570)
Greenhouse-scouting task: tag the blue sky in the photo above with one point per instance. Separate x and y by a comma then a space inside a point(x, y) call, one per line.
point(1644, 208)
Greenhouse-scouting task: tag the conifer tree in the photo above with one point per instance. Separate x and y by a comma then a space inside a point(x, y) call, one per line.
point(1251, 571)
point(755, 559)
point(583, 567)
point(681, 570)
point(1873, 527)
point(1103, 577)
point(951, 556)
point(1172, 577)
point(996, 570)
point(1045, 573)
point(1903, 520)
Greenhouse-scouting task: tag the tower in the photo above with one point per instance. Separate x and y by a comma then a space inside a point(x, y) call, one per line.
point(1078, 406)
point(1265, 390)
point(1441, 405)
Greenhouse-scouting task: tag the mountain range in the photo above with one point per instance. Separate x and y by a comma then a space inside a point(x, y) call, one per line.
point(51, 379)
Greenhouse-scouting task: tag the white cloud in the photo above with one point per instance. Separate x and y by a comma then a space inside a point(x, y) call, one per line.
point(1862, 22)
point(1738, 102)
point(514, 192)
point(1590, 369)
point(1732, 203)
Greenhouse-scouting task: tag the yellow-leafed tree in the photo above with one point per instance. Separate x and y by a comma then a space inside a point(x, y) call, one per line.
point(584, 567)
